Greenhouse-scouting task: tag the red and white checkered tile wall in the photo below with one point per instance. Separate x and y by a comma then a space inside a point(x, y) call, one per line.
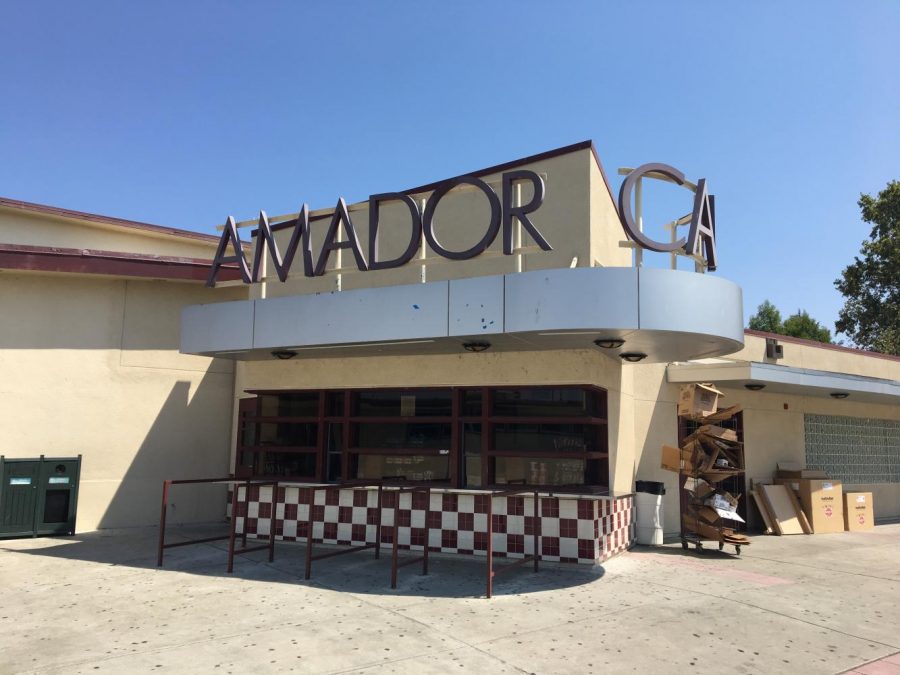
point(583, 530)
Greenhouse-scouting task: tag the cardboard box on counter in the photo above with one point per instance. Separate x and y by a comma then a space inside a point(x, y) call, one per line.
point(698, 400)
point(859, 511)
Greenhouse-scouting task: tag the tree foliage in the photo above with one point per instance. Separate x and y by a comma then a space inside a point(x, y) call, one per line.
point(871, 284)
point(801, 324)
point(767, 319)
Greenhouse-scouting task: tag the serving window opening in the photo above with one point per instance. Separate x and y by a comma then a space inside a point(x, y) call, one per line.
point(467, 437)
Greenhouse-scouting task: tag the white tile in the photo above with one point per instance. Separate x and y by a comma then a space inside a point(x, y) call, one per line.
point(466, 504)
point(434, 539)
point(568, 508)
point(417, 518)
point(290, 528)
point(331, 514)
point(549, 527)
point(585, 529)
point(253, 510)
point(345, 498)
point(480, 523)
point(343, 531)
point(465, 540)
point(449, 520)
point(515, 524)
point(318, 530)
point(568, 548)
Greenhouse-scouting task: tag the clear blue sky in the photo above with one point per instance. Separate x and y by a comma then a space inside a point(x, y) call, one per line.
point(181, 113)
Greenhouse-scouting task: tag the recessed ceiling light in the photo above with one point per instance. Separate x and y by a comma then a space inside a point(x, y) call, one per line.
point(633, 357)
point(609, 343)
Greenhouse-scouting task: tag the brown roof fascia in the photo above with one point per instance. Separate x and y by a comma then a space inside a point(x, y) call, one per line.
point(88, 261)
point(104, 220)
point(497, 168)
point(820, 345)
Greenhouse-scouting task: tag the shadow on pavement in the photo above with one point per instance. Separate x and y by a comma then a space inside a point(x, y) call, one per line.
point(453, 576)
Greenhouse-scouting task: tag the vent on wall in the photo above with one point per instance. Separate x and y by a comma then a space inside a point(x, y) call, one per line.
point(773, 349)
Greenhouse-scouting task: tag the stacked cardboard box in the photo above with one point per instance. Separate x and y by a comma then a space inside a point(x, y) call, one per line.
point(706, 457)
point(820, 500)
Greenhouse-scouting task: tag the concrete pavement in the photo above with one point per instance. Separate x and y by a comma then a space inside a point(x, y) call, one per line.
point(96, 603)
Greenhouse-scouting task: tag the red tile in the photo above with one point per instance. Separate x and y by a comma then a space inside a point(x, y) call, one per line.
point(403, 517)
point(332, 497)
point(251, 525)
point(529, 524)
point(449, 502)
point(448, 538)
point(465, 522)
point(387, 535)
point(550, 546)
point(345, 514)
point(330, 530)
point(498, 523)
point(585, 509)
point(515, 506)
point(318, 513)
point(358, 532)
point(568, 527)
point(302, 529)
point(280, 498)
point(254, 493)
point(417, 536)
point(389, 500)
point(587, 548)
point(372, 516)
point(360, 497)
point(481, 541)
point(481, 503)
point(433, 519)
point(290, 512)
point(549, 507)
point(419, 501)
point(303, 495)
point(265, 510)
point(515, 543)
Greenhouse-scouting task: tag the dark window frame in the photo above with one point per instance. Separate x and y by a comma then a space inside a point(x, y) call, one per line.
point(250, 413)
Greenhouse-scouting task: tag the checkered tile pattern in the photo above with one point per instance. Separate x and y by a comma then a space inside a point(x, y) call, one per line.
point(577, 530)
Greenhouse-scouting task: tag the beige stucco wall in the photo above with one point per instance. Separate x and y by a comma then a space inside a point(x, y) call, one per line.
point(90, 366)
point(23, 228)
point(578, 219)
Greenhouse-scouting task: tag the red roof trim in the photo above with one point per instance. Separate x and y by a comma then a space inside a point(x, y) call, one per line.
point(821, 345)
point(87, 261)
point(106, 220)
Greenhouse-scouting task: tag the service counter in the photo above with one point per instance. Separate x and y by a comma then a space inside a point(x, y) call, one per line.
point(575, 528)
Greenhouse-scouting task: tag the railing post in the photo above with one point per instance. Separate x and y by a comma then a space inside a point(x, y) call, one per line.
point(162, 522)
point(490, 545)
point(535, 529)
point(378, 521)
point(427, 529)
point(309, 532)
point(394, 538)
point(272, 522)
point(246, 514)
point(231, 532)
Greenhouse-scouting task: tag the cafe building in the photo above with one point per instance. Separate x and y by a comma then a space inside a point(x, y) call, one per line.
point(515, 329)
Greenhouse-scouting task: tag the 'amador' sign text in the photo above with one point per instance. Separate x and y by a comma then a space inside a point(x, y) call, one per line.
point(502, 208)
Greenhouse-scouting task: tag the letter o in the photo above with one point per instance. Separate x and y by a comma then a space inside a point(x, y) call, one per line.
point(431, 205)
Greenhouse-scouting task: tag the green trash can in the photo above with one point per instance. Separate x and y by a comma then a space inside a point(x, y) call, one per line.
point(38, 497)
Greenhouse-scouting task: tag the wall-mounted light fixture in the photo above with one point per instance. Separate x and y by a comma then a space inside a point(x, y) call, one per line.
point(754, 386)
point(633, 357)
point(839, 394)
point(284, 354)
point(476, 346)
point(609, 343)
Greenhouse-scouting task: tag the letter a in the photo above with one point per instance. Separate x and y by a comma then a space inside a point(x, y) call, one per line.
point(340, 215)
point(702, 235)
point(229, 234)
